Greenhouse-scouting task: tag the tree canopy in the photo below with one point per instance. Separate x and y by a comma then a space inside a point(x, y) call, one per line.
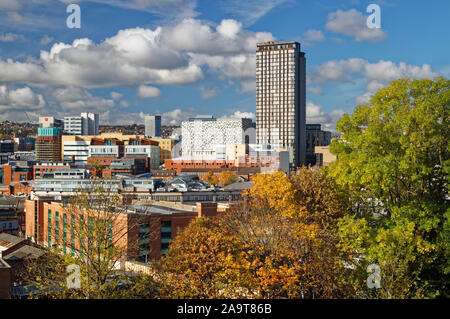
point(393, 162)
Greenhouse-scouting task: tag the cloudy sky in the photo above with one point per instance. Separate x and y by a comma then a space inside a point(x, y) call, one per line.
point(180, 58)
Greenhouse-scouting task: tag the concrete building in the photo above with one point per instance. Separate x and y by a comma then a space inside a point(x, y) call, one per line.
point(315, 137)
point(144, 148)
point(76, 148)
point(48, 145)
point(67, 186)
point(6, 146)
point(281, 98)
point(201, 135)
point(166, 146)
point(85, 124)
point(153, 126)
point(323, 156)
point(24, 144)
point(50, 121)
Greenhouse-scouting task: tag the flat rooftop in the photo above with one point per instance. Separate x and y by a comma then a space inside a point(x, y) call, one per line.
point(24, 252)
point(7, 241)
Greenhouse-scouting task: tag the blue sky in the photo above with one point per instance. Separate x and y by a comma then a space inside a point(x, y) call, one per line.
point(180, 58)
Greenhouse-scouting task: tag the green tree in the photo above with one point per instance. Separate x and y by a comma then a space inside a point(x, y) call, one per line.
point(393, 162)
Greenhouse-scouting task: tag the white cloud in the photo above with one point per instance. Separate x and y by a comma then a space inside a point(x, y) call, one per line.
point(75, 100)
point(131, 57)
point(11, 37)
point(316, 115)
point(377, 75)
point(146, 92)
point(382, 71)
point(229, 28)
point(10, 5)
point(250, 10)
point(46, 40)
point(176, 9)
point(208, 91)
point(124, 104)
point(169, 55)
point(315, 90)
point(116, 95)
point(353, 23)
point(239, 115)
point(312, 36)
point(176, 116)
point(21, 99)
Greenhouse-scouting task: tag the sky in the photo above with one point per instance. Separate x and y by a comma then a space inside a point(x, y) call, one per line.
point(181, 58)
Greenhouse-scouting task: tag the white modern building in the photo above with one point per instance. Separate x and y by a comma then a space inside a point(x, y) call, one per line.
point(85, 124)
point(106, 151)
point(201, 135)
point(76, 151)
point(50, 121)
point(280, 98)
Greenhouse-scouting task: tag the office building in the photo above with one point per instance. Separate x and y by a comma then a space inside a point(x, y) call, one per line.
point(157, 225)
point(48, 145)
point(50, 121)
point(6, 146)
point(76, 148)
point(166, 147)
point(280, 98)
point(315, 137)
point(85, 124)
point(153, 126)
point(24, 144)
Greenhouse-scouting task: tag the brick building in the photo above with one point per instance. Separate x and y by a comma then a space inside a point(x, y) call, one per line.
point(144, 231)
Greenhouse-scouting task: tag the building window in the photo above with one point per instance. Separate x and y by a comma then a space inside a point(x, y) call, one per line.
point(144, 242)
point(65, 232)
point(49, 228)
point(81, 230)
point(57, 228)
point(72, 234)
point(110, 234)
point(166, 235)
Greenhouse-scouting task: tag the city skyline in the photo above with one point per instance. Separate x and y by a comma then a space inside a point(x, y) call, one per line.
point(172, 73)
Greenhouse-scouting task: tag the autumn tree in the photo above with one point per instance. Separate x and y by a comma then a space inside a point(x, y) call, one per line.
point(305, 208)
point(211, 179)
point(280, 242)
point(198, 263)
point(228, 177)
point(393, 162)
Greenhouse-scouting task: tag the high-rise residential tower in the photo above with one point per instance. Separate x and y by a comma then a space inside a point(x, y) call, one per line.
point(153, 126)
point(281, 97)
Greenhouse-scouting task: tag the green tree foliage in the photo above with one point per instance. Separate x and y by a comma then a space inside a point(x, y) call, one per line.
point(393, 161)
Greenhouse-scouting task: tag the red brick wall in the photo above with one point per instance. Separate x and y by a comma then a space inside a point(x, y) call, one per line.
point(5, 282)
point(125, 230)
point(7, 178)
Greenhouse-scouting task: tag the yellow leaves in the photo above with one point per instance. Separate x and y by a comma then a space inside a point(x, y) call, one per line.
point(211, 179)
point(227, 177)
point(276, 190)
